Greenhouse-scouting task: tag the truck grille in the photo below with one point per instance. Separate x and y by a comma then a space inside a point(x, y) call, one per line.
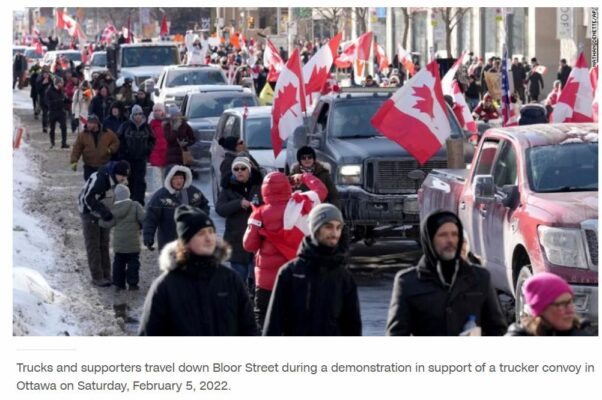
point(391, 176)
point(592, 245)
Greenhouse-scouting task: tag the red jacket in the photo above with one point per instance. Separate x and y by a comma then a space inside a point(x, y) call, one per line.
point(484, 113)
point(266, 223)
point(158, 157)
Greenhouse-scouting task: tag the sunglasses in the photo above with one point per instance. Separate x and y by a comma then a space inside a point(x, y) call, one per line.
point(138, 114)
point(237, 169)
point(307, 157)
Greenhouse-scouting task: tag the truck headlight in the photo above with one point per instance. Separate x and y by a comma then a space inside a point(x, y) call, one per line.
point(350, 174)
point(563, 246)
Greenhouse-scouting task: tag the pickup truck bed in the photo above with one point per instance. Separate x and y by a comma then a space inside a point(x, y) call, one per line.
point(444, 187)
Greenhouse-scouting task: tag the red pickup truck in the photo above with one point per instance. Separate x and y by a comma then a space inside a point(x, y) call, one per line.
point(529, 203)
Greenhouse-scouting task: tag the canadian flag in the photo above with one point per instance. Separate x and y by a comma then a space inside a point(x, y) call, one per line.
point(460, 101)
point(416, 116)
point(576, 99)
point(317, 69)
point(450, 76)
point(107, 33)
point(381, 57)
point(297, 210)
point(362, 57)
point(345, 59)
point(541, 69)
point(272, 60)
point(593, 75)
point(164, 28)
point(405, 58)
point(59, 21)
point(289, 102)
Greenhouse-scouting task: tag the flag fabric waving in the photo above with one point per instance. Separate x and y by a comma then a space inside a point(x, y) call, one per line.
point(576, 99)
point(317, 69)
point(415, 116)
point(450, 75)
point(289, 102)
point(405, 59)
point(108, 33)
point(381, 57)
point(593, 75)
point(164, 27)
point(272, 60)
point(362, 57)
point(460, 101)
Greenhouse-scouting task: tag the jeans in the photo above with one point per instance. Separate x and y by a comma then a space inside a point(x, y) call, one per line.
point(125, 268)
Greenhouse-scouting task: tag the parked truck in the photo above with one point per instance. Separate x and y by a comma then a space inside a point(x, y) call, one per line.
point(529, 203)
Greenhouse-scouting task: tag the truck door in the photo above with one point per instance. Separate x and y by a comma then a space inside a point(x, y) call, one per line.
point(496, 217)
point(471, 213)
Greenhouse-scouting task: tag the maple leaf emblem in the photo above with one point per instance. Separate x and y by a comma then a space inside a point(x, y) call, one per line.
point(569, 92)
point(287, 98)
point(316, 80)
point(425, 102)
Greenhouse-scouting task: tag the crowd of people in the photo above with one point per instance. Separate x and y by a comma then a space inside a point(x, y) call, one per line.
point(281, 267)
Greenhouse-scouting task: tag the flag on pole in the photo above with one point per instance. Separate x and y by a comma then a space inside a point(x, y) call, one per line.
point(345, 59)
point(593, 76)
point(576, 99)
point(362, 56)
point(415, 117)
point(450, 75)
point(107, 33)
point(460, 100)
point(59, 21)
point(381, 57)
point(266, 96)
point(164, 28)
point(272, 60)
point(405, 59)
point(317, 69)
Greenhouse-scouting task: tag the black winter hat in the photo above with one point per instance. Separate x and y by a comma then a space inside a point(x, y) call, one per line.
point(306, 150)
point(121, 168)
point(190, 220)
point(435, 220)
point(229, 143)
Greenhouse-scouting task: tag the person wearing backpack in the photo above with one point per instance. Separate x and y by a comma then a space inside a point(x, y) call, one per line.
point(137, 141)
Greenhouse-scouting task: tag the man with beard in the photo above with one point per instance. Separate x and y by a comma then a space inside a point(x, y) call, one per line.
point(315, 295)
point(443, 292)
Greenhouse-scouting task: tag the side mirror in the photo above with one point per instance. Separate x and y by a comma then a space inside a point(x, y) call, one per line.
point(484, 189)
point(511, 197)
point(300, 137)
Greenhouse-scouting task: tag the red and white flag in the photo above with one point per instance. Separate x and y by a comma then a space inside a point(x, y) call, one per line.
point(450, 76)
point(576, 99)
point(460, 101)
point(164, 28)
point(345, 59)
point(59, 21)
point(593, 76)
point(362, 57)
point(108, 33)
point(541, 69)
point(289, 102)
point(296, 213)
point(272, 60)
point(381, 57)
point(416, 116)
point(317, 69)
point(405, 58)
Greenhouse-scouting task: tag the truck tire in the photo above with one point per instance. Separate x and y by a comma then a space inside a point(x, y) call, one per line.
point(524, 274)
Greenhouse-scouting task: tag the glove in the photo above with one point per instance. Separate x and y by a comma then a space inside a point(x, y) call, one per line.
point(107, 217)
point(149, 245)
point(74, 166)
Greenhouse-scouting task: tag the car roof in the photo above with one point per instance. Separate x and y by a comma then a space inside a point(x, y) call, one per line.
point(549, 134)
point(252, 112)
point(149, 44)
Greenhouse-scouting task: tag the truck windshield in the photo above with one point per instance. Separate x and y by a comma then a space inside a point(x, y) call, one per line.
point(571, 167)
point(258, 133)
point(99, 60)
point(208, 76)
point(72, 56)
point(352, 119)
point(149, 55)
point(207, 107)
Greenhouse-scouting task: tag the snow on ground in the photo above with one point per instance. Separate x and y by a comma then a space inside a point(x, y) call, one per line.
point(38, 309)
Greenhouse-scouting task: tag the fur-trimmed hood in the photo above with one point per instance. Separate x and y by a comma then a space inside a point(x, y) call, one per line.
point(172, 172)
point(167, 259)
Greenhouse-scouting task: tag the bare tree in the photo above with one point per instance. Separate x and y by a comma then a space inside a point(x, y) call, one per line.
point(407, 19)
point(451, 17)
point(333, 17)
point(360, 15)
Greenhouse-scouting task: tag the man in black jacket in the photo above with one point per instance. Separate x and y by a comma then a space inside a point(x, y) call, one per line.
point(57, 101)
point(94, 201)
point(534, 81)
point(315, 295)
point(563, 72)
point(440, 294)
point(518, 78)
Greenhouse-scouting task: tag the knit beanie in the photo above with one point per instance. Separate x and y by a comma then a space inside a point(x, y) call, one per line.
point(190, 220)
point(542, 289)
point(322, 214)
point(435, 221)
point(121, 168)
point(241, 161)
point(57, 80)
point(121, 192)
point(229, 143)
point(306, 150)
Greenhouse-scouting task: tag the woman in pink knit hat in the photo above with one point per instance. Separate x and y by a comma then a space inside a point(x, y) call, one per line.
point(551, 310)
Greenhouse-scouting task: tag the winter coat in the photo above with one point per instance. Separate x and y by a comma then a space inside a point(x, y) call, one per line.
point(101, 106)
point(324, 175)
point(161, 208)
point(486, 114)
point(535, 83)
point(137, 142)
point(314, 295)
point(200, 298)
point(97, 192)
point(519, 74)
point(113, 123)
point(127, 220)
point(422, 305)
point(80, 104)
point(563, 74)
point(42, 87)
point(268, 219)
point(158, 157)
point(146, 105)
point(184, 134)
point(517, 329)
point(228, 206)
point(56, 100)
point(95, 149)
point(33, 78)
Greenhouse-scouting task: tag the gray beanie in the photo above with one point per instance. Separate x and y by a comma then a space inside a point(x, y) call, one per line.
point(322, 214)
point(121, 192)
point(241, 161)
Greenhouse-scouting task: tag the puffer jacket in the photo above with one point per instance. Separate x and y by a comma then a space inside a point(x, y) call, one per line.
point(162, 206)
point(315, 295)
point(137, 141)
point(322, 173)
point(267, 219)
point(158, 157)
point(101, 106)
point(95, 150)
point(228, 206)
point(183, 134)
point(422, 305)
point(56, 101)
point(200, 298)
point(127, 220)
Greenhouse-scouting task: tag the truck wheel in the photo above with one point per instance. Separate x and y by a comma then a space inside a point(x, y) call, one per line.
point(519, 305)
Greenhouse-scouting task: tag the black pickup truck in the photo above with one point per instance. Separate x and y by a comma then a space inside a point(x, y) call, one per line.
point(376, 178)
